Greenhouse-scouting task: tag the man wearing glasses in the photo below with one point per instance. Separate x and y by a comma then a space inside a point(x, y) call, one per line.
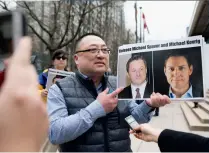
point(85, 114)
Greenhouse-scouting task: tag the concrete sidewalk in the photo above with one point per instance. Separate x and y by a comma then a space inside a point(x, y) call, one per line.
point(171, 117)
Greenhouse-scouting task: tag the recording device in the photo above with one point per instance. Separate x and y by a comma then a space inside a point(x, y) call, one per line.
point(12, 28)
point(132, 123)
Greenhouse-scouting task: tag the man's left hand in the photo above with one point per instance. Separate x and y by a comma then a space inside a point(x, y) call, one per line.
point(158, 100)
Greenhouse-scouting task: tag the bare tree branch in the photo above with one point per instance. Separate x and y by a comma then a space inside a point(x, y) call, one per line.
point(56, 30)
point(97, 6)
point(56, 11)
point(82, 16)
point(33, 15)
point(77, 31)
point(20, 5)
point(4, 5)
point(39, 36)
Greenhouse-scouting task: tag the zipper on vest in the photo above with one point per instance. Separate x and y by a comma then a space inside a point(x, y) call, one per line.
point(106, 142)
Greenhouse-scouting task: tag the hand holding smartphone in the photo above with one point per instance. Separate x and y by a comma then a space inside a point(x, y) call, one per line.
point(132, 123)
point(12, 28)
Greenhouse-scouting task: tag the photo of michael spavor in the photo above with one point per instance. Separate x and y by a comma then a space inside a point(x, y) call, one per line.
point(135, 74)
point(178, 73)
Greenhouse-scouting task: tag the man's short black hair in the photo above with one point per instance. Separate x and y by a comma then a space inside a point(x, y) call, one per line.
point(85, 35)
point(135, 58)
point(58, 53)
point(178, 54)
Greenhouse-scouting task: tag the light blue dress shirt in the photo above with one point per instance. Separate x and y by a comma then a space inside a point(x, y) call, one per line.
point(188, 94)
point(64, 127)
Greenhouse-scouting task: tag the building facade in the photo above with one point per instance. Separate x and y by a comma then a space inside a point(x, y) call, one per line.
point(200, 19)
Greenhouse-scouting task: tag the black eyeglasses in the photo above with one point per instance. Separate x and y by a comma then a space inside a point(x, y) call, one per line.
point(61, 57)
point(95, 51)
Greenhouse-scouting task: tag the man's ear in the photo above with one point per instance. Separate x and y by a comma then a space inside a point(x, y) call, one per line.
point(164, 70)
point(191, 70)
point(76, 59)
point(127, 74)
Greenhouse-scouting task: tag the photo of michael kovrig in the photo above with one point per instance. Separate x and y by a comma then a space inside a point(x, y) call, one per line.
point(178, 73)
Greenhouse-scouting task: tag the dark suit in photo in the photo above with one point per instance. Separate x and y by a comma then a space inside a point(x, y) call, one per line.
point(197, 92)
point(127, 93)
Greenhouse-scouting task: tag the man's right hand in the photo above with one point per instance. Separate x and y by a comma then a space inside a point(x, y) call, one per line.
point(109, 101)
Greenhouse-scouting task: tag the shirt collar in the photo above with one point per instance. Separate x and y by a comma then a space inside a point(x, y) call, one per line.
point(83, 75)
point(188, 94)
point(99, 87)
point(141, 86)
point(141, 89)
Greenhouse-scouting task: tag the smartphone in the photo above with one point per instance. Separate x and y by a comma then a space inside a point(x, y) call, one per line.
point(12, 28)
point(132, 123)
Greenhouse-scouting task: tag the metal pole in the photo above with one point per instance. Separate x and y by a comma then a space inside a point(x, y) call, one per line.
point(140, 24)
point(143, 32)
point(135, 6)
